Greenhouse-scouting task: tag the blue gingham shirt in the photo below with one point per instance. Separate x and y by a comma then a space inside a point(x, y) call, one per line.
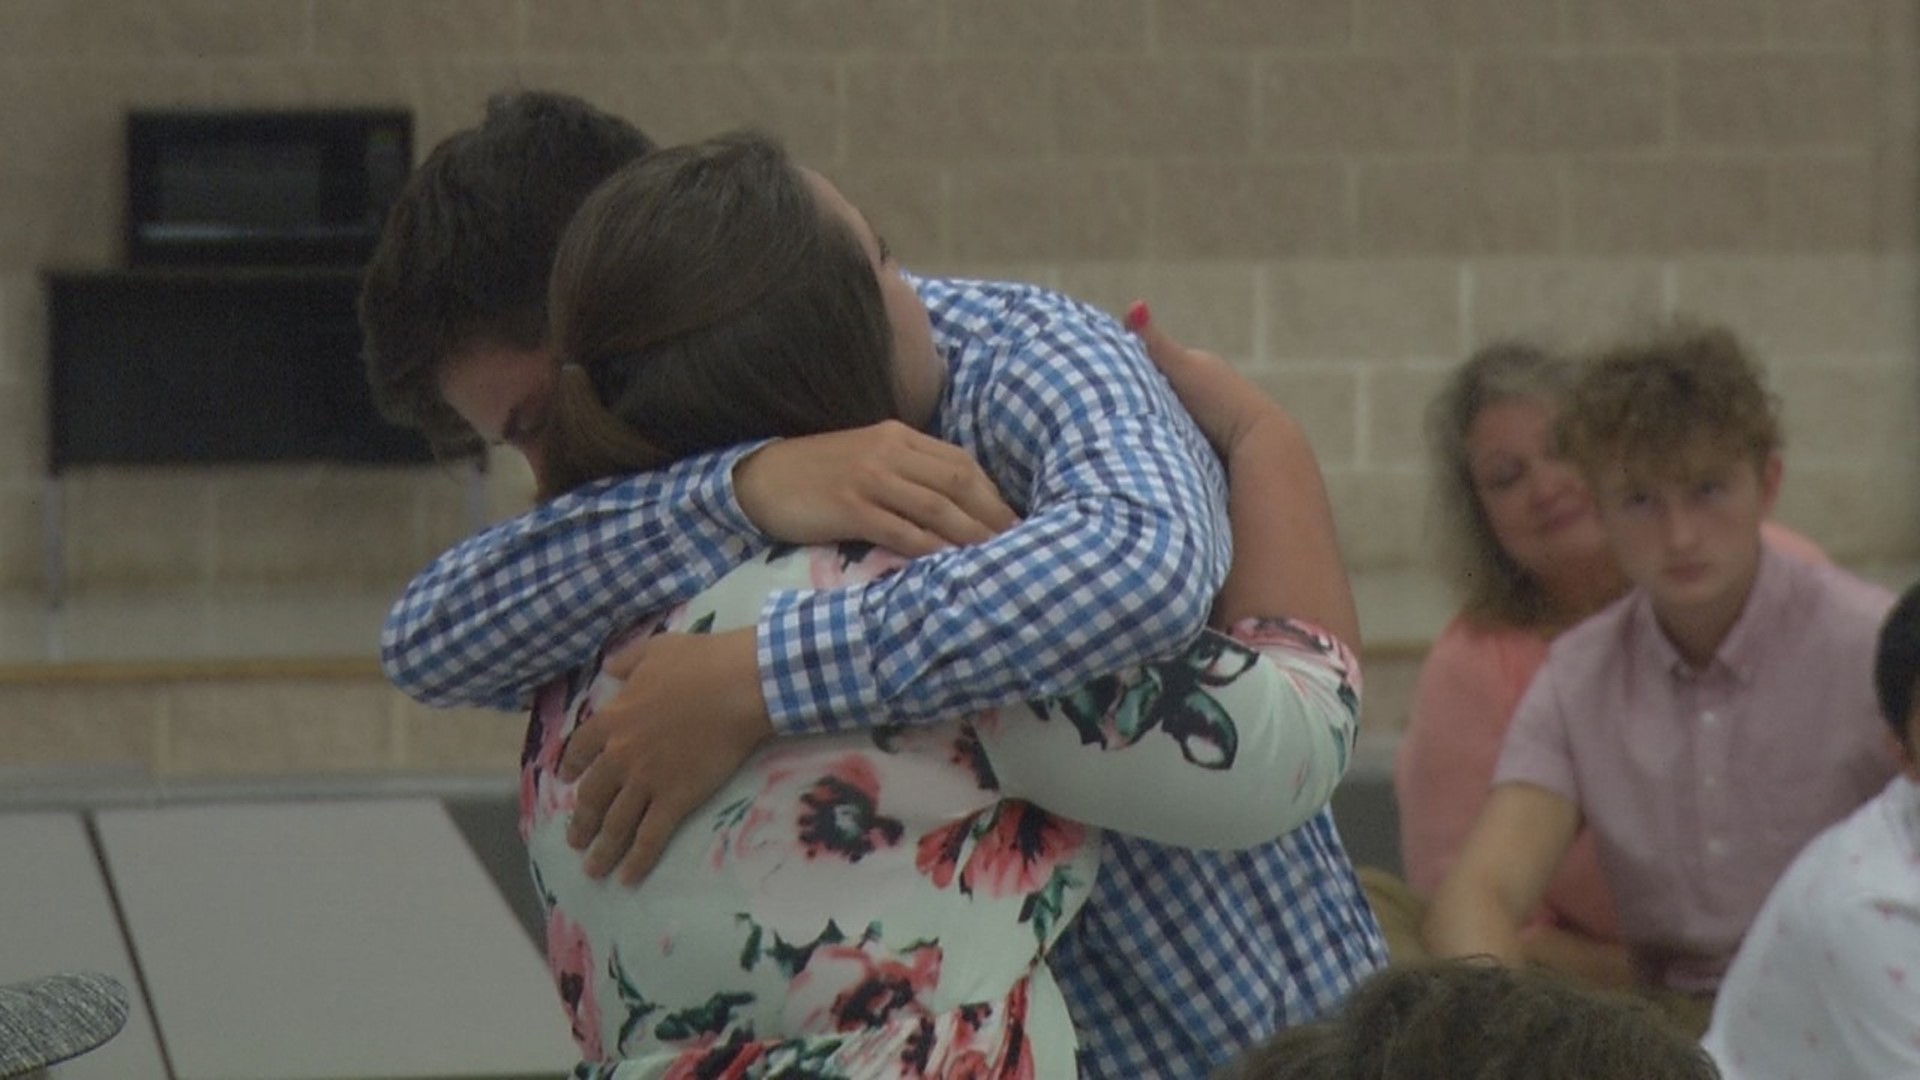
point(1180, 957)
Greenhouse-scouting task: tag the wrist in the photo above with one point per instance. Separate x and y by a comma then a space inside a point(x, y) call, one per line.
point(746, 702)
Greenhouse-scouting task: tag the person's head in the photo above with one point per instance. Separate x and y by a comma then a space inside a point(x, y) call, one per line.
point(459, 277)
point(716, 293)
point(1896, 677)
point(1518, 526)
point(1477, 1021)
point(1679, 439)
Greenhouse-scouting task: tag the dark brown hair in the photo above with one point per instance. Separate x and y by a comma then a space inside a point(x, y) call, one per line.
point(1653, 402)
point(1896, 668)
point(466, 250)
point(1473, 1020)
point(703, 297)
point(1497, 589)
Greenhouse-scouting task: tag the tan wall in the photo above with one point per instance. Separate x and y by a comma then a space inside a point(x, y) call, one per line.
point(1343, 195)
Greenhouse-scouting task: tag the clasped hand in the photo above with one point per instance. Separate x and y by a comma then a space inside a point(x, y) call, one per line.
point(691, 710)
point(689, 713)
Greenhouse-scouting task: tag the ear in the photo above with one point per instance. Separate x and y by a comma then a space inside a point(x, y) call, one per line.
point(1770, 474)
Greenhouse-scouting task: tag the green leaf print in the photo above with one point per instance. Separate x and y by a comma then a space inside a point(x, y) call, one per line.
point(637, 1005)
point(1044, 908)
point(789, 960)
point(709, 1018)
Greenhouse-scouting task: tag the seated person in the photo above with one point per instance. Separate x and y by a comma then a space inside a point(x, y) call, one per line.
point(1706, 725)
point(1827, 982)
point(1528, 555)
point(1468, 1019)
point(1167, 968)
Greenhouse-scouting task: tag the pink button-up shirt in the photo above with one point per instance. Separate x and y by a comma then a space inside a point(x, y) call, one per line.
point(1700, 785)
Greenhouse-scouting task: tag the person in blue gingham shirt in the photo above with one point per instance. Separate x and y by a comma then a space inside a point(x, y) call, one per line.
point(1181, 957)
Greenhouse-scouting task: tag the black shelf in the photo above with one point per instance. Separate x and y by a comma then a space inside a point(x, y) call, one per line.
point(224, 364)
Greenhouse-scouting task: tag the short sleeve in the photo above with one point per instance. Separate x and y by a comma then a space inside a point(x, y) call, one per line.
point(1537, 750)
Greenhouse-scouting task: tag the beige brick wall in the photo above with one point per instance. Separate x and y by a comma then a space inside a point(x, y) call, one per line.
point(1342, 195)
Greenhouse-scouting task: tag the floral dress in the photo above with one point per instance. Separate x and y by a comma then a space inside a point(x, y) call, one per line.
point(881, 904)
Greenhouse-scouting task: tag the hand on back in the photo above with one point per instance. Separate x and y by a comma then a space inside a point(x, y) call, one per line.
point(886, 484)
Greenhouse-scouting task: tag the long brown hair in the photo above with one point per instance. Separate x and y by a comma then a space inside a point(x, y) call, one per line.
point(702, 298)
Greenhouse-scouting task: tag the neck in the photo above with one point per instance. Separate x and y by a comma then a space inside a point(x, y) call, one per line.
point(1698, 632)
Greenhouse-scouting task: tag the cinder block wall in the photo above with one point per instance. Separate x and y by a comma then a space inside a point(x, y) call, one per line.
point(1344, 196)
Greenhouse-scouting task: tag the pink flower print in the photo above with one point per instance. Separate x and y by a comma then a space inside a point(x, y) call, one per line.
point(939, 852)
point(840, 813)
point(969, 1058)
point(539, 753)
point(1018, 852)
point(1015, 848)
point(570, 959)
point(869, 989)
point(888, 987)
point(731, 1061)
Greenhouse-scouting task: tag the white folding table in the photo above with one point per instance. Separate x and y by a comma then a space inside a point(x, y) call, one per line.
point(56, 916)
point(329, 940)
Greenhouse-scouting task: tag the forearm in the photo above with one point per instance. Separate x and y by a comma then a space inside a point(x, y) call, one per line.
point(1503, 870)
point(1468, 919)
point(1599, 963)
point(1286, 554)
point(1240, 740)
point(507, 610)
point(1076, 592)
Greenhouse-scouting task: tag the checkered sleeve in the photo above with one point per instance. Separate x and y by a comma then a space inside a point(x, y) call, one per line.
point(1123, 545)
point(524, 601)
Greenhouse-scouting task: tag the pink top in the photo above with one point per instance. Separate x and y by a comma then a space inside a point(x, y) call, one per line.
point(1469, 684)
point(1700, 786)
point(1828, 982)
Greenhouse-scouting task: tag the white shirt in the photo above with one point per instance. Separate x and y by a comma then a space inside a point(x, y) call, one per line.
point(1827, 983)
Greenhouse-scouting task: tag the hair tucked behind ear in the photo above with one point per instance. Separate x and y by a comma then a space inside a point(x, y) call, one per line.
point(708, 299)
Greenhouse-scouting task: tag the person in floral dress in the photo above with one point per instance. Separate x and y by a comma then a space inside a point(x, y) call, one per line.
point(881, 903)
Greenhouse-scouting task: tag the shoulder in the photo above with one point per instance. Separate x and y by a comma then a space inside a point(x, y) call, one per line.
point(1505, 652)
point(1857, 868)
point(1594, 650)
point(1026, 332)
point(1828, 592)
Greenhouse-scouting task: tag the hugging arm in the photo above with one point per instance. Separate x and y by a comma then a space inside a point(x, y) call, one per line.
point(1120, 553)
point(1118, 560)
point(1241, 738)
point(509, 609)
point(1229, 744)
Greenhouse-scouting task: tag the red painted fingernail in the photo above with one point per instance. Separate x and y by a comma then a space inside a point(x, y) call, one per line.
point(1138, 316)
